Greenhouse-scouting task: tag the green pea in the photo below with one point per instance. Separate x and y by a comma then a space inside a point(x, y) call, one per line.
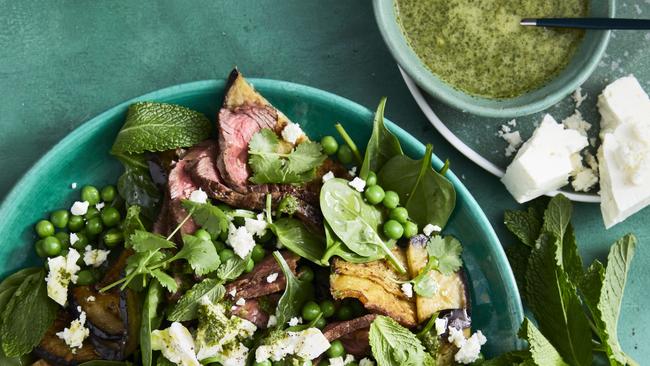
point(64, 238)
point(76, 223)
point(110, 216)
point(371, 180)
point(250, 265)
point(344, 312)
point(357, 307)
point(51, 246)
point(226, 254)
point(391, 199)
point(399, 214)
point(94, 226)
point(336, 349)
point(306, 274)
point(108, 193)
point(330, 145)
point(320, 323)
point(91, 195)
point(60, 218)
point(263, 363)
point(39, 249)
point(328, 308)
point(393, 229)
point(344, 154)
point(310, 310)
point(85, 277)
point(410, 229)
point(82, 241)
point(113, 237)
point(258, 253)
point(44, 228)
point(374, 194)
point(203, 235)
point(92, 213)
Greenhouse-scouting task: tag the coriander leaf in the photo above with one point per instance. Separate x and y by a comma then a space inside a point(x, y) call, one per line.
point(296, 293)
point(541, 350)
point(297, 238)
point(602, 291)
point(200, 254)
point(393, 344)
point(165, 280)
point(382, 145)
point(555, 303)
point(306, 157)
point(131, 223)
point(136, 185)
point(425, 284)
point(153, 126)
point(150, 320)
point(27, 316)
point(210, 217)
point(144, 241)
point(447, 251)
point(187, 306)
point(232, 268)
point(525, 225)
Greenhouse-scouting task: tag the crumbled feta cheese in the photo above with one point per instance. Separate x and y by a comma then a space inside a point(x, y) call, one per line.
point(100, 205)
point(241, 240)
point(327, 176)
point(441, 326)
point(584, 179)
point(176, 344)
point(512, 138)
point(235, 355)
point(544, 163)
point(79, 208)
point(199, 196)
point(430, 229)
point(358, 184)
point(233, 292)
point(622, 101)
point(307, 344)
point(353, 171)
point(256, 226)
point(366, 362)
point(471, 349)
point(63, 270)
point(294, 321)
point(241, 302)
point(340, 361)
point(456, 337)
point(73, 185)
point(292, 132)
point(577, 123)
point(407, 289)
point(578, 97)
point(76, 333)
point(273, 321)
point(73, 238)
point(512, 122)
point(90, 299)
point(95, 257)
point(272, 277)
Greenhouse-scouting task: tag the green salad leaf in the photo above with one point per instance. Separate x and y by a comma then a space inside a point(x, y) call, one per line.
point(335, 247)
point(382, 145)
point(143, 241)
point(199, 253)
point(429, 197)
point(136, 185)
point(151, 320)
point(273, 162)
point(393, 344)
point(210, 217)
point(154, 126)
point(131, 223)
point(187, 306)
point(293, 235)
point(165, 280)
point(232, 268)
point(296, 293)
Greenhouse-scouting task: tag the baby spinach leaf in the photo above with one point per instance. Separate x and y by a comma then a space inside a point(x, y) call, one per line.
point(27, 315)
point(153, 126)
point(354, 221)
point(151, 320)
point(210, 217)
point(200, 254)
point(274, 162)
point(382, 145)
point(143, 241)
point(297, 238)
point(335, 247)
point(187, 306)
point(429, 197)
point(296, 293)
point(541, 350)
point(393, 344)
point(136, 186)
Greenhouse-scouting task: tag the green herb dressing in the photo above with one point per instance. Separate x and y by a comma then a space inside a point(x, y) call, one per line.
point(480, 48)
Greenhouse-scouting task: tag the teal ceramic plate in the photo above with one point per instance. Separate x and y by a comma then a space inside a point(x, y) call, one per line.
point(82, 157)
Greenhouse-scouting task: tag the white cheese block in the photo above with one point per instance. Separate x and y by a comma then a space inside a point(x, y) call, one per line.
point(624, 172)
point(621, 102)
point(545, 162)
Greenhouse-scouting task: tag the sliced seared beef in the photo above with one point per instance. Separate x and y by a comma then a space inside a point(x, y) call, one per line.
point(161, 226)
point(252, 311)
point(352, 333)
point(255, 284)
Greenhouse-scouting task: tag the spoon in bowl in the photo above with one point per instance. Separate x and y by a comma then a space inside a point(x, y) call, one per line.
point(588, 23)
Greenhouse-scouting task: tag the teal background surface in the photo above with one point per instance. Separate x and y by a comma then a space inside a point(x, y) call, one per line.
point(63, 62)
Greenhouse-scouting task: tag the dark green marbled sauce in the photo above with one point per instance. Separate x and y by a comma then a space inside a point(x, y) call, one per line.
point(479, 47)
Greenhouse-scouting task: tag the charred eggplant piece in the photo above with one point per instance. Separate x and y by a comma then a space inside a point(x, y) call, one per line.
point(102, 314)
point(56, 352)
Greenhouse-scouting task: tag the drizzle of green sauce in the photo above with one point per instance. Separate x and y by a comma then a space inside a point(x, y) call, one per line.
point(479, 47)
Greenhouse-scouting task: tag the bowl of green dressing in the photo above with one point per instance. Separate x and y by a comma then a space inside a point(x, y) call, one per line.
point(474, 55)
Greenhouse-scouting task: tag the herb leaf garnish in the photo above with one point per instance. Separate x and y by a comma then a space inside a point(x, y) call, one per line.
point(210, 217)
point(296, 293)
point(382, 145)
point(200, 254)
point(293, 235)
point(444, 256)
point(393, 344)
point(188, 305)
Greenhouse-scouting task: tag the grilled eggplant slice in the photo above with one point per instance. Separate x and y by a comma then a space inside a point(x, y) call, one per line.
point(54, 350)
point(377, 285)
point(102, 314)
point(452, 292)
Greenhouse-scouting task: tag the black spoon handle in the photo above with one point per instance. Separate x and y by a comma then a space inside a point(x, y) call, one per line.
point(589, 23)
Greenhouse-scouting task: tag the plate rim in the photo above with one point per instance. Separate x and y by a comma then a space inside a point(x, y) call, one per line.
point(464, 149)
point(512, 303)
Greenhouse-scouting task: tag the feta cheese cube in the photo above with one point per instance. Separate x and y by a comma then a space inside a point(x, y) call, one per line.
point(471, 349)
point(292, 132)
point(456, 337)
point(199, 196)
point(95, 257)
point(272, 277)
point(256, 226)
point(327, 176)
point(407, 289)
point(307, 344)
point(73, 238)
point(358, 184)
point(294, 321)
point(621, 102)
point(366, 362)
point(100, 206)
point(63, 270)
point(273, 321)
point(79, 208)
point(73, 185)
point(441, 326)
point(176, 344)
point(544, 162)
point(76, 333)
point(241, 240)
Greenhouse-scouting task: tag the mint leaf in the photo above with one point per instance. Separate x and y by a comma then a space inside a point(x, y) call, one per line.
point(27, 316)
point(153, 126)
point(187, 306)
point(382, 145)
point(232, 268)
point(525, 225)
point(602, 291)
point(274, 162)
point(131, 223)
point(150, 320)
point(571, 260)
point(392, 344)
point(296, 292)
point(297, 238)
point(518, 258)
point(541, 350)
point(210, 217)
point(143, 241)
point(555, 303)
point(200, 254)
point(557, 216)
point(447, 252)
